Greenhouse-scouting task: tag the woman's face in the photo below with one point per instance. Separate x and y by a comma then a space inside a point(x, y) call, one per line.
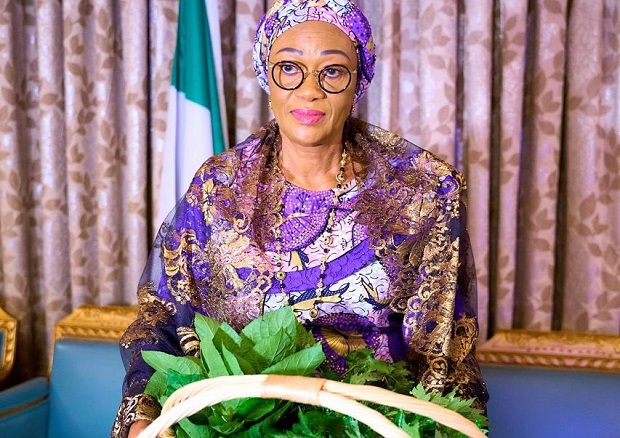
point(308, 115)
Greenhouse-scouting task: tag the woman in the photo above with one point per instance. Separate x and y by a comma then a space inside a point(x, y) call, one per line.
point(360, 231)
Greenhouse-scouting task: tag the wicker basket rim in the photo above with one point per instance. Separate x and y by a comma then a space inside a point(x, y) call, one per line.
point(338, 396)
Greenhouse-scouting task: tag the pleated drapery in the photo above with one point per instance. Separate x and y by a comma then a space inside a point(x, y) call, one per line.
point(83, 98)
point(522, 95)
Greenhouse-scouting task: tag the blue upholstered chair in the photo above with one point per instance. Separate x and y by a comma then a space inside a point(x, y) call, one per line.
point(548, 385)
point(8, 331)
point(83, 392)
point(542, 385)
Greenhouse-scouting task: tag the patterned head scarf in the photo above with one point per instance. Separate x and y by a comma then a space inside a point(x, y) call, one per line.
point(344, 14)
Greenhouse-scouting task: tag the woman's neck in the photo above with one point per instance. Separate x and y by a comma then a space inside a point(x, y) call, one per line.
point(312, 168)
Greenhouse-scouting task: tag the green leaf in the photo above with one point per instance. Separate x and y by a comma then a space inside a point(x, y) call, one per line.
point(302, 363)
point(409, 425)
point(281, 410)
point(304, 337)
point(207, 327)
point(260, 430)
point(231, 362)
point(270, 324)
point(450, 401)
point(212, 359)
point(319, 422)
point(232, 335)
point(177, 380)
point(227, 427)
point(180, 432)
point(191, 430)
point(272, 337)
point(157, 384)
point(365, 369)
point(253, 409)
point(251, 359)
point(420, 393)
point(220, 334)
point(455, 403)
point(164, 362)
point(265, 426)
point(276, 347)
point(159, 360)
point(246, 366)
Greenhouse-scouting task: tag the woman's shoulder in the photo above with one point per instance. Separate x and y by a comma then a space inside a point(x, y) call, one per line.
point(223, 167)
point(407, 160)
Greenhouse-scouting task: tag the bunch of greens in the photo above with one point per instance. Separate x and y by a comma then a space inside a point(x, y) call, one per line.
point(277, 343)
point(364, 369)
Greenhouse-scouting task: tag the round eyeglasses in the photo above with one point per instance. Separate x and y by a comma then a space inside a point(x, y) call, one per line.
point(289, 76)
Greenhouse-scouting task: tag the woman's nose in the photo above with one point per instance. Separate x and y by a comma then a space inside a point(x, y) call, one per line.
point(310, 88)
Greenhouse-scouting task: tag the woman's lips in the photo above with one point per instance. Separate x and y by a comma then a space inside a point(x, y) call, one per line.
point(308, 117)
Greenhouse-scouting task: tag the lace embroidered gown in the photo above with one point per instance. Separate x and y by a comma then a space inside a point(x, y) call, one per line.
point(352, 309)
point(398, 274)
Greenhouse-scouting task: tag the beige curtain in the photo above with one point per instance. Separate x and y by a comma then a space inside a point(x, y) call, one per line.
point(83, 86)
point(522, 95)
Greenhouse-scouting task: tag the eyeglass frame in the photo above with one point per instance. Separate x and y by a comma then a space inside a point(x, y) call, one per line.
point(307, 72)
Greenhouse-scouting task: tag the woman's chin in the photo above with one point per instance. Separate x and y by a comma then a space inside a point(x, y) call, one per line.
point(302, 134)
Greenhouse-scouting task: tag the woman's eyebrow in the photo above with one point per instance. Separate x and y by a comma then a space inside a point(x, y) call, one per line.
point(290, 49)
point(323, 53)
point(334, 52)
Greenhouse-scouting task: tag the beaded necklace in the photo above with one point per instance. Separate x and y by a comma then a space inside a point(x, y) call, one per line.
point(328, 239)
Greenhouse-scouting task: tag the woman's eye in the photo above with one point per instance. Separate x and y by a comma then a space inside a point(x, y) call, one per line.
point(333, 72)
point(289, 69)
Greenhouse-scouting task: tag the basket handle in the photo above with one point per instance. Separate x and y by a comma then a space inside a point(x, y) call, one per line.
point(338, 396)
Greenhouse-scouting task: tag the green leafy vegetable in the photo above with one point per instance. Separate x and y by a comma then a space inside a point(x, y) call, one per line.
point(277, 343)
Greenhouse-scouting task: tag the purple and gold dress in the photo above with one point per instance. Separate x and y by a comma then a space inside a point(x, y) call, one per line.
point(384, 262)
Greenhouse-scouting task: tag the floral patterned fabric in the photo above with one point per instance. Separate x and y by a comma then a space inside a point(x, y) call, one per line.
point(399, 277)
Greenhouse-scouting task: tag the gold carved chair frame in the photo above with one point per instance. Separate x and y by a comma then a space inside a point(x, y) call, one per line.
point(509, 347)
point(575, 351)
point(8, 327)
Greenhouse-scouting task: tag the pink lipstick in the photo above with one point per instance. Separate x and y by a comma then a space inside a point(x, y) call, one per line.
point(308, 117)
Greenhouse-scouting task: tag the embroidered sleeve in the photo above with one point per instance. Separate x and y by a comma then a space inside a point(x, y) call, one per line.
point(168, 298)
point(134, 408)
point(440, 322)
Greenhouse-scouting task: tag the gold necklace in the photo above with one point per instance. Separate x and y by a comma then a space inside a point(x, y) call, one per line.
point(328, 240)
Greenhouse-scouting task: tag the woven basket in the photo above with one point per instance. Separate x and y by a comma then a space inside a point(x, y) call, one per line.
point(338, 396)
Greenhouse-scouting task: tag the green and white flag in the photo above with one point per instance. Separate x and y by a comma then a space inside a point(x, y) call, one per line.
point(196, 123)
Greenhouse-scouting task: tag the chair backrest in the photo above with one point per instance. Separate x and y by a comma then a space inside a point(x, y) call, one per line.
point(8, 331)
point(87, 372)
point(552, 384)
point(24, 409)
point(544, 403)
point(85, 388)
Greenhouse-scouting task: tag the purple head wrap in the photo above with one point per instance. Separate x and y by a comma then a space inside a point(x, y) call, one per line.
point(344, 14)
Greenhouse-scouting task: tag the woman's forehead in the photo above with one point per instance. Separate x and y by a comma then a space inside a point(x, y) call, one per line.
point(313, 36)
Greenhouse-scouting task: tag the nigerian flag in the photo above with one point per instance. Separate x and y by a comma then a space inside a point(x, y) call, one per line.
point(195, 125)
